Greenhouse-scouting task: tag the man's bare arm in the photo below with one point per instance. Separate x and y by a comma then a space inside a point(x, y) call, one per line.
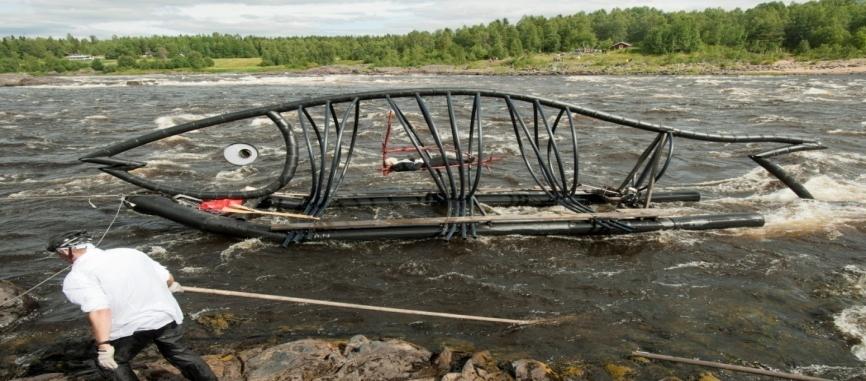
point(100, 324)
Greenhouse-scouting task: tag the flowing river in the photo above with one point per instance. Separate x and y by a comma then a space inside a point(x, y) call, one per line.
point(790, 295)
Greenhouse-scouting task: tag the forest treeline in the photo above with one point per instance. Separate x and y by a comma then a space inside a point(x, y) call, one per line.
point(826, 29)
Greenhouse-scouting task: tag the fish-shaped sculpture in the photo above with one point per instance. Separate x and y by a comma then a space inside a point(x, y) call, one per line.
point(448, 134)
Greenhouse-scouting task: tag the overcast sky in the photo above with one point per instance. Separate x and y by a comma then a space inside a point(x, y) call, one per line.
point(104, 18)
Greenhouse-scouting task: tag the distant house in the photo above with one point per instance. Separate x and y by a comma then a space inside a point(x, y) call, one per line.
point(79, 57)
point(620, 45)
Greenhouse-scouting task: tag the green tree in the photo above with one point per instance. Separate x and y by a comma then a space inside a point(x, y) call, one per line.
point(552, 41)
point(97, 65)
point(765, 26)
point(196, 60)
point(125, 62)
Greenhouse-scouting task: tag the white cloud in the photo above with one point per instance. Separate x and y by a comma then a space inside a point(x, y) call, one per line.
point(104, 18)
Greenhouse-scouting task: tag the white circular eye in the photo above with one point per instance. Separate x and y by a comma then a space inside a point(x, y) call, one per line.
point(240, 154)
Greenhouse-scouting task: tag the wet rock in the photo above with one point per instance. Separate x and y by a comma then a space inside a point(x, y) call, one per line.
point(594, 373)
point(218, 322)
point(297, 360)
point(384, 360)
point(13, 311)
point(450, 360)
point(533, 370)
point(481, 367)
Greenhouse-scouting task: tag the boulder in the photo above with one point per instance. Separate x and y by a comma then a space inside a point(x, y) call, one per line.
point(532, 370)
point(12, 312)
point(482, 367)
point(297, 360)
point(384, 360)
point(450, 360)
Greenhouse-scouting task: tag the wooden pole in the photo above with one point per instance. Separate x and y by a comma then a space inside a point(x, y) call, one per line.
point(355, 306)
point(240, 209)
point(736, 368)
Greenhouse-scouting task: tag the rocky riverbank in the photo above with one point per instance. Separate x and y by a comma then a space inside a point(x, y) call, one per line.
point(781, 67)
point(361, 358)
point(19, 79)
point(358, 358)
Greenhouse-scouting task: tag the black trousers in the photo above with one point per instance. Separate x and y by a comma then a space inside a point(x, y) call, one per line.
point(168, 341)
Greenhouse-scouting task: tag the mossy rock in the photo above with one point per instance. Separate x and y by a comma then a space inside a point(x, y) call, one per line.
point(619, 372)
point(218, 322)
point(707, 376)
point(572, 371)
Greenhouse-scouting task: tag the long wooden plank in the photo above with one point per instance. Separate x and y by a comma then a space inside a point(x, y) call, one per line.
point(432, 221)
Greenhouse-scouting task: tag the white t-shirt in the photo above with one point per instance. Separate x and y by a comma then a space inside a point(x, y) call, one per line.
point(128, 282)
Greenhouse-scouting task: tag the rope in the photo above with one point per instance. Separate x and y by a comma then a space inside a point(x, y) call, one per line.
point(25, 293)
point(355, 306)
point(737, 368)
point(117, 213)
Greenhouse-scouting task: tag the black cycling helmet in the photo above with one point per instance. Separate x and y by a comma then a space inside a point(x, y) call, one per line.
point(68, 239)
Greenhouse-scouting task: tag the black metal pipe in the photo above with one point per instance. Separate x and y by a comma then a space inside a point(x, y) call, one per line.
point(780, 174)
point(416, 141)
point(492, 199)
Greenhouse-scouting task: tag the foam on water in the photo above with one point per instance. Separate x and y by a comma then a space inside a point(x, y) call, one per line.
point(80, 185)
point(830, 372)
point(673, 109)
point(194, 270)
point(854, 277)
point(757, 178)
point(167, 121)
point(846, 132)
point(816, 91)
point(262, 121)
point(157, 252)
point(238, 174)
point(96, 118)
point(838, 203)
point(740, 94)
point(852, 322)
point(771, 118)
point(693, 264)
point(585, 78)
point(243, 247)
point(453, 276)
point(221, 80)
point(828, 84)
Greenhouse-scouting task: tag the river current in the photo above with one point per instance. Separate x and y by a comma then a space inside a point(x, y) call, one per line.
point(789, 296)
